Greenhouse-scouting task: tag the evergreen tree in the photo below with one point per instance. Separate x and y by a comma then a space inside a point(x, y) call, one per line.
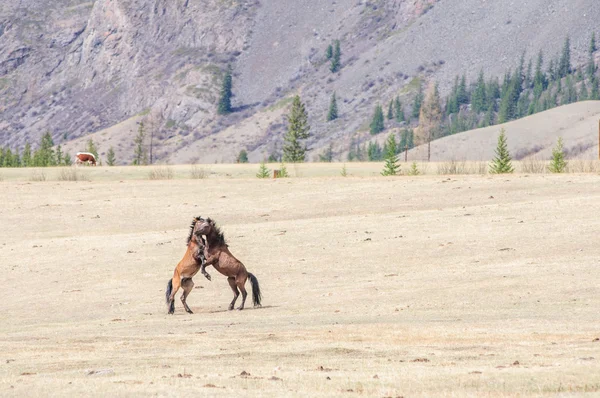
point(593, 47)
point(139, 153)
point(478, 99)
point(492, 94)
point(414, 170)
point(374, 152)
point(552, 72)
point(329, 52)
point(591, 66)
point(59, 155)
point(92, 147)
point(26, 157)
point(298, 129)
point(392, 166)
point(110, 157)
point(224, 106)
point(595, 93)
point(333, 109)
point(502, 163)
point(242, 157)
point(528, 77)
point(558, 163)
point(283, 173)
point(67, 159)
point(570, 94)
point(539, 81)
point(416, 109)
point(377, 125)
point(44, 156)
point(398, 110)
point(390, 113)
point(263, 171)
point(564, 67)
point(452, 105)
point(462, 96)
point(335, 59)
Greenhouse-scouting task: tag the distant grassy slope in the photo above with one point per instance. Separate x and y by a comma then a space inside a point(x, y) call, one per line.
point(535, 135)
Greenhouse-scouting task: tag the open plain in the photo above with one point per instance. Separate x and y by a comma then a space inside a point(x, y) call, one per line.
point(372, 286)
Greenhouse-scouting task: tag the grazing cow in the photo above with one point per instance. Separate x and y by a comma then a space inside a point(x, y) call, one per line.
point(85, 157)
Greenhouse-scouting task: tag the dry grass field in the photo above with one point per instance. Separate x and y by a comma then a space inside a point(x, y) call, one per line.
point(409, 286)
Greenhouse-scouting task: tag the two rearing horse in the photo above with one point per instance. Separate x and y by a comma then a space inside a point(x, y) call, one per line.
point(210, 251)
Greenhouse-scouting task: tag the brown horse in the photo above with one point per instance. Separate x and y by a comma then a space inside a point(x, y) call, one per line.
point(218, 255)
point(193, 261)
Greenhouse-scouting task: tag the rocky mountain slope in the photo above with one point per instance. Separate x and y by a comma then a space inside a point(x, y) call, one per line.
point(77, 67)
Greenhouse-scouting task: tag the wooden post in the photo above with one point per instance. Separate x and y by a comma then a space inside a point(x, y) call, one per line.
point(276, 173)
point(405, 153)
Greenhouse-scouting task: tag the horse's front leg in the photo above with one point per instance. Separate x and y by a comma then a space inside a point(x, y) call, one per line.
point(203, 271)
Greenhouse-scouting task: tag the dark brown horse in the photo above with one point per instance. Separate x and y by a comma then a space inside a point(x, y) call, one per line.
point(193, 261)
point(218, 255)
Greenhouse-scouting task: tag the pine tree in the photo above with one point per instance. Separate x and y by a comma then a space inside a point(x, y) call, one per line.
point(528, 77)
point(502, 163)
point(539, 81)
point(44, 156)
point(59, 156)
point(242, 157)
point(398, 110)
point(344, 172)
point(462, 96)
point(224, 107)
point(110, 157)
point(558, 163)
point(374, 152)
point(414, 170)
point(452, 105)
point(26, 157)
point(392, 166)
point(593, 47)
point(492, 93)
point(478, 99)
point(67, 161)
point(595, 93)
point(333, 109)
point(416, 109)
point(335, 59)
point(92, 148)
point(139, 152)
point(329, 52)
point(570, 94)
point(390, 113)
point(564, 67)
point(591, 66)
point(283, 173)
point(263, 171)
point(377, 124)
point(298, 129)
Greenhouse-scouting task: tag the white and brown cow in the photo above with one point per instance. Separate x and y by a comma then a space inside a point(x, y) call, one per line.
point(85, 157)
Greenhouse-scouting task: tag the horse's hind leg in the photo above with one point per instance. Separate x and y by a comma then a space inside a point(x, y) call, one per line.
point(176, 284)
point(236, 293)
point(187, 285)
point(241, 282)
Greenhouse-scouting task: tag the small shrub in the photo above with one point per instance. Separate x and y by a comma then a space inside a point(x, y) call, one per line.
point(502, 163)
point(198, 173)
point(414, 170)
point(283, 173)
point(452, 167)
point(38, 175)
point(478, 168)
point(263, 171)
point(533, 165)
point(558, 163)
point(161, 173)
point(583, 166)
point(70, 174)
point(344, 172)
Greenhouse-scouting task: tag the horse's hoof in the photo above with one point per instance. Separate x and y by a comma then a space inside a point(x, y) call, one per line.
point(240, 308)
point(190, 312)
point(230, 308)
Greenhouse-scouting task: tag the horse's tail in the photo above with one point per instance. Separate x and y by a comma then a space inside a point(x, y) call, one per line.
point(169, 290)
point(256, 296)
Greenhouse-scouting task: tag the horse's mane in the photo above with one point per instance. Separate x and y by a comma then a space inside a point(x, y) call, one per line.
point(218, 232)
point(194, 221)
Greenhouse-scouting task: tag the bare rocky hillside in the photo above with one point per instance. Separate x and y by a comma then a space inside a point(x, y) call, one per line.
point(77, 68)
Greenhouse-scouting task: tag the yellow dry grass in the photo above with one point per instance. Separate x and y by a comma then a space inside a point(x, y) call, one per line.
point(413, 286)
